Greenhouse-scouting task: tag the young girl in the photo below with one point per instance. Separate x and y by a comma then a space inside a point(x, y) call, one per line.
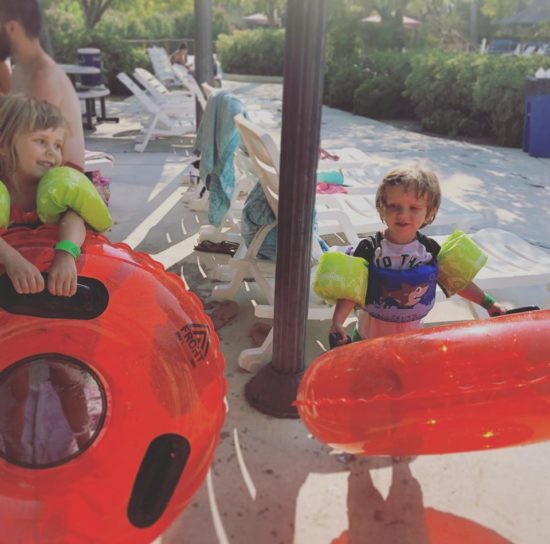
point(32, 136)
point(407, 200)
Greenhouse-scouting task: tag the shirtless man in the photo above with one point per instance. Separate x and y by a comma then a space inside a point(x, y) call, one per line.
point(36, 74)
point(5, 76)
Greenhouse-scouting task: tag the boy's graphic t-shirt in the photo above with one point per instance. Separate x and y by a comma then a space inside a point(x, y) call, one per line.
point(402, 282)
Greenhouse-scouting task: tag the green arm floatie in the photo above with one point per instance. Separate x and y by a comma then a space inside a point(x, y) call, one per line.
point(341, 276)
point(459, 259)
point(63, 188)
point(5, 205)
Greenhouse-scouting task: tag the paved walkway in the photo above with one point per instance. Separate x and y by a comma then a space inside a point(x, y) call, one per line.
point(270, 481)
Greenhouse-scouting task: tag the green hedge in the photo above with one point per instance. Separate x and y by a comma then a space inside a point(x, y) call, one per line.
point(499, 94)
point(381, 95)
point(472, 94)
point(441, 88)
point(258, 52)
point(341, 81)
point(68, 35)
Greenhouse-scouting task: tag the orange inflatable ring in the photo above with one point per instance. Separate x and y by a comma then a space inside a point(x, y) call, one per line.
point(472, 386)
point(111, 401)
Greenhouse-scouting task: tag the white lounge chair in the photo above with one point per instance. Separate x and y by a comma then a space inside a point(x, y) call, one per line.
point(97, 160)
point(158, 91)
point(162, 66)
point(164, 121)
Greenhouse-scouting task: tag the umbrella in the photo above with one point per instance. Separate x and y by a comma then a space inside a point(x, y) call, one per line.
point(257, 18)
point(408, 22)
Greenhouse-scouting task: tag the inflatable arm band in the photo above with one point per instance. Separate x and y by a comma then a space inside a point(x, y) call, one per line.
point(4, 207)
point(63, 188)
point(341, 276)
point(459, 259)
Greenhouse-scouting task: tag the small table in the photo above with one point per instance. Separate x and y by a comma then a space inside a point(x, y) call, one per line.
point(89, 94)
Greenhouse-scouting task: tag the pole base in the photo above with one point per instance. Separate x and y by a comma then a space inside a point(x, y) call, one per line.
point(273, 393)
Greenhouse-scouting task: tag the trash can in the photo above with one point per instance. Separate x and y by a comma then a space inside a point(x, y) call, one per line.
point(536, 128)
point(90, 56)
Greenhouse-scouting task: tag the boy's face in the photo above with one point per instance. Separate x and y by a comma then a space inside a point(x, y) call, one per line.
point(38, 151)
point(404, 213)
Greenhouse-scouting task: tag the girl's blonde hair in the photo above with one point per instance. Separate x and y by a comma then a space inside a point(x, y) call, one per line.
point(20, 114)
point(412, 178)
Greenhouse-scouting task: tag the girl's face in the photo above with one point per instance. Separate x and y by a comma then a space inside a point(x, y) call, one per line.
point(404, 213)
point(37, 152)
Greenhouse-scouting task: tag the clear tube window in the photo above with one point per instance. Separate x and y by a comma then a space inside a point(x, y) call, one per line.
point(52, 408)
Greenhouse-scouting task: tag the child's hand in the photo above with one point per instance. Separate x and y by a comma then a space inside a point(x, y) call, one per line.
point(25, 277)
point(62, 276)
point(496, 309)
point(340, 332)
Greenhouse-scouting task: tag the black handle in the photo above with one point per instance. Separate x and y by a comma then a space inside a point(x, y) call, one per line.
point(89, 301)
point(521, 309)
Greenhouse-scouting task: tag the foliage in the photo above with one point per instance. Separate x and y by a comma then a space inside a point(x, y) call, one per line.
point(440, 86)
point(499, 93)
point(184, 24)
point(341, 81)
point(259, 52)
point(116, 55)
point(381, 94)
point(93, 11)
point(342, 36)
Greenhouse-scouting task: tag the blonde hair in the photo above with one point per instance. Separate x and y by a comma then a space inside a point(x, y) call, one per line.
point(20, 114)
point(412, 178)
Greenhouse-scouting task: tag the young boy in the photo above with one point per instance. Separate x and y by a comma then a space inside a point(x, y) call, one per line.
point(407, 200)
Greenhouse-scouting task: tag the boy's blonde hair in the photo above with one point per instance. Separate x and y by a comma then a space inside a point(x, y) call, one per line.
point(20, 114)
point(412, 178)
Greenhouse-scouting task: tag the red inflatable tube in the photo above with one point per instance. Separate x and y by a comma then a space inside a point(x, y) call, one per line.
point(111, 401)
point(472, 386)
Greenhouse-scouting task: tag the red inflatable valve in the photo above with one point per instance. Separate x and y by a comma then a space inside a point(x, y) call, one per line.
point(472, 386)
point(111, 401)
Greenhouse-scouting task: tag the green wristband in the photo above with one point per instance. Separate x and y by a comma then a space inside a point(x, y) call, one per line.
point(487, 301)
point(68, 246)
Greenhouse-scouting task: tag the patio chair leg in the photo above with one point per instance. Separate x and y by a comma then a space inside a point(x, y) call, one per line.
point(150, 130)
point(253, 359)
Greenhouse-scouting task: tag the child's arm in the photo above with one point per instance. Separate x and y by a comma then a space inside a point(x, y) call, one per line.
point(341, 311)
point(25, 277)
point(62, 276)
point(474, 294)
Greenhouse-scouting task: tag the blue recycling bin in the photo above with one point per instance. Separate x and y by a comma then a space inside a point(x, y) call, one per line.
point(536, 128)
point(90, 56)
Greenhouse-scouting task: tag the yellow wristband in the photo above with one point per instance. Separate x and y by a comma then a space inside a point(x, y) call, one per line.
point(69, 247)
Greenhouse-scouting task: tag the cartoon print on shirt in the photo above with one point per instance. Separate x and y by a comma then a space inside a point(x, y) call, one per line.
point(406, 296)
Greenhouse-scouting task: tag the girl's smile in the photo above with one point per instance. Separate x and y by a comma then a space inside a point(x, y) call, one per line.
point(37, 152)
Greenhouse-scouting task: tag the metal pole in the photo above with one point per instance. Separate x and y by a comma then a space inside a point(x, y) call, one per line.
point(204, 71)
point(273, 389)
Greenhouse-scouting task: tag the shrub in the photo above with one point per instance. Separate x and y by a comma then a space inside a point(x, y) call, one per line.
point(341, 81)
point(499, 93)
point(381, 94)
point(440, 87)
point(258, 52)
point(116, 55)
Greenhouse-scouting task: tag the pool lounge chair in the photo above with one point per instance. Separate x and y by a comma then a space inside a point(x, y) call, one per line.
point(163, 120)
point(158, 91)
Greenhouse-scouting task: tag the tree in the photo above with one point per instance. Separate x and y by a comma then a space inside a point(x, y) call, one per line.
point(271, 8)
point(93, 10)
